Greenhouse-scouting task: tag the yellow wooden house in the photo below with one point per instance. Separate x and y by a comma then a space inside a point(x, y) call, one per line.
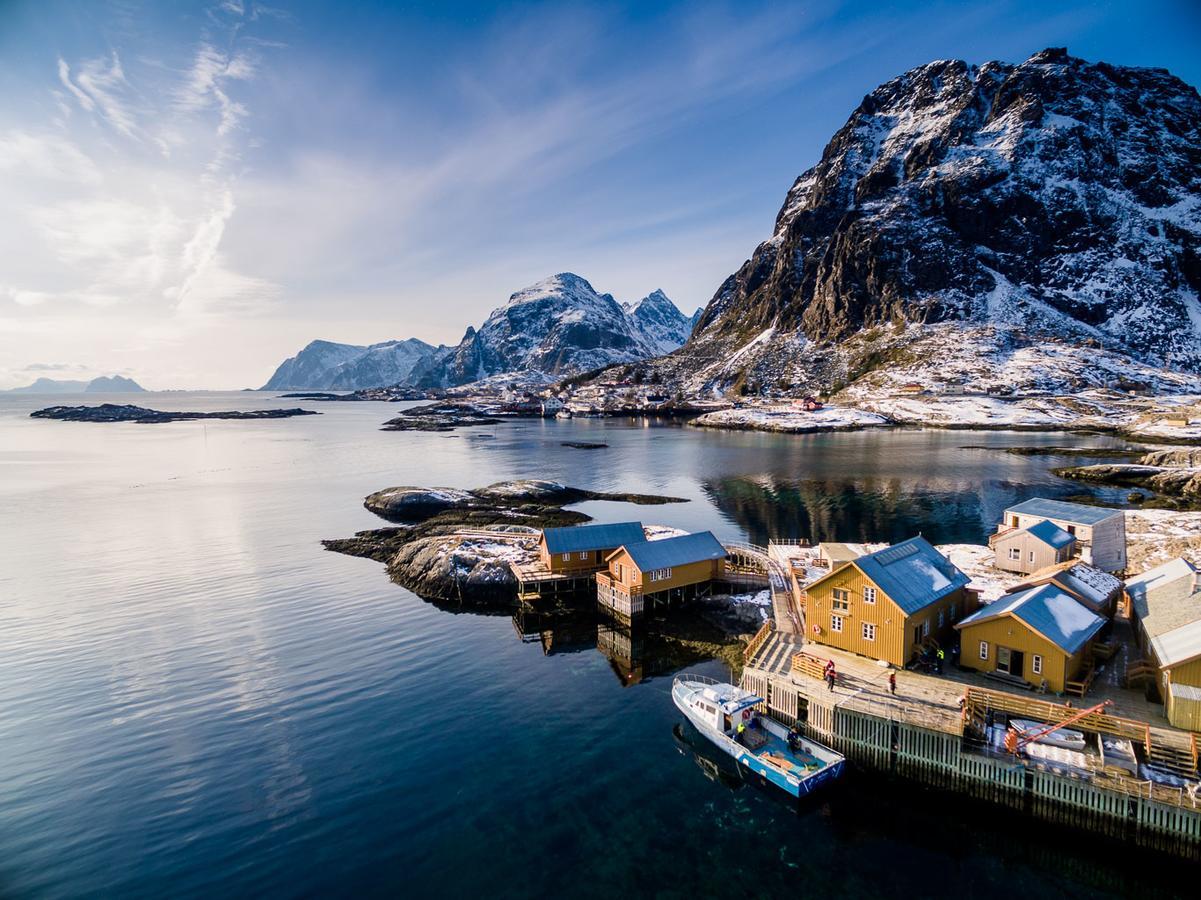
point(887, 604)
point(1166, 607)
point(672, 568)
point(580, 549)
point(1041, 635)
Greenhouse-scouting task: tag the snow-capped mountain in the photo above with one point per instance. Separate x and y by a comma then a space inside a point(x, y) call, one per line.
point(324, 365)
point(660, 322)
point(561, 326)
point(1052, 201)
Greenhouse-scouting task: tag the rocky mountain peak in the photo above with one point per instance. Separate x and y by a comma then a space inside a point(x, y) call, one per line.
point(1053, 197)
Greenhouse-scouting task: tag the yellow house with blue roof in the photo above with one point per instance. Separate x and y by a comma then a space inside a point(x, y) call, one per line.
point(1036, 635)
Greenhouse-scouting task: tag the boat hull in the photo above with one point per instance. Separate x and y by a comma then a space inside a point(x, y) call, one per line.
point(797, 787)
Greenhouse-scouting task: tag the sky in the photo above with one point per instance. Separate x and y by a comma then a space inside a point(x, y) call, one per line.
point(194, 191)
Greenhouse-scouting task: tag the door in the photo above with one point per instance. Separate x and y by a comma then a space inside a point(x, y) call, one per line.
point(1010, 661)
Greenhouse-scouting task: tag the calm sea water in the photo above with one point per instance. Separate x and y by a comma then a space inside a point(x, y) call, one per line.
point(196, 699)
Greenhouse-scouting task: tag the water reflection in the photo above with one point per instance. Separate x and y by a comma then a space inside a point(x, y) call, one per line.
point(636, 652)
point(866, 508)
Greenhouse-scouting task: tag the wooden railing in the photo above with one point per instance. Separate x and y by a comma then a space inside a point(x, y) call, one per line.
point(809, 665)
point(756, 643)
point(981, 699)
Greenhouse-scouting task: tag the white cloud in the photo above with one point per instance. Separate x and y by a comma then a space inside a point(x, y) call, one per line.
point(101, 88)
point(46, 156)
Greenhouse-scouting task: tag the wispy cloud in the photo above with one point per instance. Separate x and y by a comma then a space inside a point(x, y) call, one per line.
point(101, 88)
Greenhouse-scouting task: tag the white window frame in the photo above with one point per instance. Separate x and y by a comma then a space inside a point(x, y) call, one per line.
point(843, 603)
point(984, 649)
point(942, 618)
point(1015, 554)
point(660, 574)
point(836, 623)
point(566, 557)
point(585, 554)
point(869, 595)
point(869, 631)
point(952, 612)
point(926, 628)
point(1036, 664)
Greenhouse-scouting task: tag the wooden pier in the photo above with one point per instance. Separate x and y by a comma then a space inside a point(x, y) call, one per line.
point(931, 730)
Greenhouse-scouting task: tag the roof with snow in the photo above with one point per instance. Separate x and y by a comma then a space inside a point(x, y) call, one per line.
point(1166, 597)
point(1063, 511)
point(1055, 615)
point(676, 551)
point(1090, 584)
point(912, 573)
point(1050, 534)
point(582, 538)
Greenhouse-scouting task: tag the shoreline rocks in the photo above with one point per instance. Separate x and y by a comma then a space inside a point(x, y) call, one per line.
point(124, 412)
point(428, 556)
point(1174, 474)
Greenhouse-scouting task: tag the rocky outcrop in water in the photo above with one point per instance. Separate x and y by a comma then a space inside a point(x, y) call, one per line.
point(431, 555)
point(114, 412)
point(1174, 474)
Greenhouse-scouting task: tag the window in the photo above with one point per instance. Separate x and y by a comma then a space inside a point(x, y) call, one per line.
point(926, 628)
point(566, 557)
point(1071, 529)
point(984, 649)
point(660, 574)
point(1036, 664)
point(584, 554)
point(869, 631)
point(952, 612)
point(869, 595)
point(836, 624)
point(842, 599)
point(1015, 553)
point(1031, 556)
point(942, 618)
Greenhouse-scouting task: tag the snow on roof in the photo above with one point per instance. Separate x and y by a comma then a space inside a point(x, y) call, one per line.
point(1063, 511)
point(676, 551)
point(1089, 581)
point(1050, 534)
point(1166, 597)
point(912, 573)
point(579, 538)
point(1055, 615)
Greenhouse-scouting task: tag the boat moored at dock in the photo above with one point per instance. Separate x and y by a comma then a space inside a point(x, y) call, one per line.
point(726, 715)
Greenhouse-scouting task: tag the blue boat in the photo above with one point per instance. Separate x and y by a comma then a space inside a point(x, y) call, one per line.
point(792, 763)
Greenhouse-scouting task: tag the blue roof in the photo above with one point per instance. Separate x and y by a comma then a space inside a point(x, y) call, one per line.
point(1063, 510)
point(578, 538)
point(1057, 616)
point(912, 573)
point(1050, 534)
point(676, 551)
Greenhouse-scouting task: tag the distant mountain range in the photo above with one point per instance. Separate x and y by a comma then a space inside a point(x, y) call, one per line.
point(558, 327)
point(106, 384)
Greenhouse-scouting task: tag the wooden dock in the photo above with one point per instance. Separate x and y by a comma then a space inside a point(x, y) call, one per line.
point(931, 728)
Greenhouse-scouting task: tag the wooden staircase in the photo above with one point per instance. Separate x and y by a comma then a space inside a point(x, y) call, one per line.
point(1175, 752)
point(1140, 673)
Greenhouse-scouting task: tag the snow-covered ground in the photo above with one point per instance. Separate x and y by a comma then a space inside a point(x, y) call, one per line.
point(975, 561)
point(1155, 536)
point(790, 419)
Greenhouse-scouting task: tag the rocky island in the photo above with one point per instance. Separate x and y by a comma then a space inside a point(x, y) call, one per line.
point(430, 553)
point(125, 412)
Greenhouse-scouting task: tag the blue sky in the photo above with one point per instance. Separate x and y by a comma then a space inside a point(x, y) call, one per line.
point(194, 191)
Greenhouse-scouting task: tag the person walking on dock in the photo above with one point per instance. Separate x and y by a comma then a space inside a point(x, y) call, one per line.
point(892, 683)
point(830, 677)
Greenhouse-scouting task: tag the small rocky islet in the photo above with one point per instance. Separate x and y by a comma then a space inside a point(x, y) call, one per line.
point(1173, 474)
point(127, 412)
point(424, 553)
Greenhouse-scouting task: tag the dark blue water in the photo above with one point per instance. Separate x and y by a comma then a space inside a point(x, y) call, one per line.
point(195, 698)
